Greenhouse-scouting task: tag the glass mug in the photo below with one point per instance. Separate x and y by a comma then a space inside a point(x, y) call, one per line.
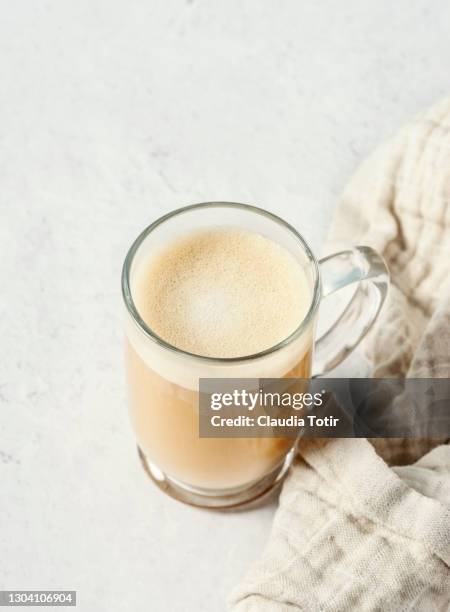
point(163, 380)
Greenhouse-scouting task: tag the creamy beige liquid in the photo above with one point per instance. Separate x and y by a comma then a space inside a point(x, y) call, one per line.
point(216, 293)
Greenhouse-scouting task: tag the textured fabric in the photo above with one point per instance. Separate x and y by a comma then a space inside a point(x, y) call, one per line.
point(352, 532)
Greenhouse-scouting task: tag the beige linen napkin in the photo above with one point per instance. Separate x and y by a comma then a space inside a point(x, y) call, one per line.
point(351, 532)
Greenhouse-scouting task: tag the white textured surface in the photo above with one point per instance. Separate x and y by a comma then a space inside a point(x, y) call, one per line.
point(112, 113)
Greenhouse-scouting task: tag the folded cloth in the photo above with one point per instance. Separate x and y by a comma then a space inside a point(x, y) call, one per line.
point(351, 532)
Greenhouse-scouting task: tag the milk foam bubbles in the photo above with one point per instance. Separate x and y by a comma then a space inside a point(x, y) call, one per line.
point(222, 292)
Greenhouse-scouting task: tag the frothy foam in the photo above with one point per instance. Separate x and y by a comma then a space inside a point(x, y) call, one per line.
point(222, 293)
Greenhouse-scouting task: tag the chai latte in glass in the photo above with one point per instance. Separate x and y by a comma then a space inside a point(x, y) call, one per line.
point(217, 293)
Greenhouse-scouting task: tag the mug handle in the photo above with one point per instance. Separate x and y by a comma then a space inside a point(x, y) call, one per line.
point(360, 265)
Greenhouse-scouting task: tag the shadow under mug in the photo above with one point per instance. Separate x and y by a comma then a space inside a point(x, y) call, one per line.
point(163, 380)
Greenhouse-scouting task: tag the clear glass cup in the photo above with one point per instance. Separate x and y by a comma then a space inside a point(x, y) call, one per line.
point(163, 380)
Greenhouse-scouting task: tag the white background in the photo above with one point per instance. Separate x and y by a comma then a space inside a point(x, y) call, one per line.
point(113, 112)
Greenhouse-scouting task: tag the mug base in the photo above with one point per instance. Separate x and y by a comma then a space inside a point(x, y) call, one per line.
point(225, 499)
